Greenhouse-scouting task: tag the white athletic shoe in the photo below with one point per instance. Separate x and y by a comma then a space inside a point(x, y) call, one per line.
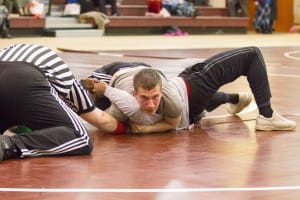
point(244, 100)
point(274, 123)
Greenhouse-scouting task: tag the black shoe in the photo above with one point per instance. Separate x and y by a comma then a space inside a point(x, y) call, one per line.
point(7, 148)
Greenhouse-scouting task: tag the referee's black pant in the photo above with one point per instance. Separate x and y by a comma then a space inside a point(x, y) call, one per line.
point(204, 79)
point(26, 98)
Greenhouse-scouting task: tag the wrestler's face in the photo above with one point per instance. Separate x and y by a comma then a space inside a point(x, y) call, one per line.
point(149, 99)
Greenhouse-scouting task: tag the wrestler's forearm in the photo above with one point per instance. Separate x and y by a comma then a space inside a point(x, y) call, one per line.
point(158, 127)
point(161, 126)
point(101, 120)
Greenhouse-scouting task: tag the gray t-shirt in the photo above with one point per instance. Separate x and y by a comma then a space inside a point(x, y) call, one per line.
point(125, 106)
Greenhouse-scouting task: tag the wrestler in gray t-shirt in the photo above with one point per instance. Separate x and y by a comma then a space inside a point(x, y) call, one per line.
point(125, 106)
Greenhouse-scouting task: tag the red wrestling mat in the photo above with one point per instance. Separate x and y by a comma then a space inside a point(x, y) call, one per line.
point(222, 158)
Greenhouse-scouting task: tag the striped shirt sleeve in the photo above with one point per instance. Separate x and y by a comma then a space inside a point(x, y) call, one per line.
point(54, 68)
point(78, 99)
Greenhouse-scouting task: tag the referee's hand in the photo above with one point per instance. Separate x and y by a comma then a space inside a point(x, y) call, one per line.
point(99, 88)
point(88, 84)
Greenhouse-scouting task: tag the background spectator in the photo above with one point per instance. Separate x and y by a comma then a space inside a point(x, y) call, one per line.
point(296, 27)
point(237, 8)
point(263, 21)
point(102, 6)
point(4, 21)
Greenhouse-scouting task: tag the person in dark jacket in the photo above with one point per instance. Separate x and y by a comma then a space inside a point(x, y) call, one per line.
point(4, 21)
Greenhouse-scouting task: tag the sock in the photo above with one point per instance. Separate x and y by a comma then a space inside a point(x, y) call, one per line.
point(265, 109)
point(216, 100)
point(233, 98)
point(22, 129)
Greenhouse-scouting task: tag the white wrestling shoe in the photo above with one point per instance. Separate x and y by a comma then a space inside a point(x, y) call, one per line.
point(274, 123)
point(244, 100)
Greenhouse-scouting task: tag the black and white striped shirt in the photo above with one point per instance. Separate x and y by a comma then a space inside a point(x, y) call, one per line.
point(55, 69)
point(57, 72)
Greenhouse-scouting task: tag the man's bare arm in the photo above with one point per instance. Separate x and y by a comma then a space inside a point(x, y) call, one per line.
point(167, 124)
point(100, 119)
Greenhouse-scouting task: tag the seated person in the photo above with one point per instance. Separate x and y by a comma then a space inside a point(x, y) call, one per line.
point(237, 8)
point(102, 6)
point(4, 30)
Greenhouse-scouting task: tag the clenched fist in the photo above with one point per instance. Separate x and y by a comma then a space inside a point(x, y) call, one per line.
point(99, 88)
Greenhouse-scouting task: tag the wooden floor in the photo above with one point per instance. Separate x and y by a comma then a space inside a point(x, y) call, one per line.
point(222, 158)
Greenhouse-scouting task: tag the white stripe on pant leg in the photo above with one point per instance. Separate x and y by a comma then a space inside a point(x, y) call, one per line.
point(76, 143)
point(59, 150)
point(208, 66)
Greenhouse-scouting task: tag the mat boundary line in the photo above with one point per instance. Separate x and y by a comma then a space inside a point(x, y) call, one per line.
point(149, 190)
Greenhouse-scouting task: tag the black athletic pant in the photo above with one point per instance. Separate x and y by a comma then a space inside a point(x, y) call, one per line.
point(204, 79)
point(27, 99)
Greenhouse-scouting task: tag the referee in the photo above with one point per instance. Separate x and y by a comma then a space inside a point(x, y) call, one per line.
point(38, 90)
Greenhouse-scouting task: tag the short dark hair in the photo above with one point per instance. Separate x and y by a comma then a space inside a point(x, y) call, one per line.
point(147, 79)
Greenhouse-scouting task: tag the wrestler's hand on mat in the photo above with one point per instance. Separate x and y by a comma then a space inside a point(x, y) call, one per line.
point(88, 83)
point(99, 88)
point(138, 128)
